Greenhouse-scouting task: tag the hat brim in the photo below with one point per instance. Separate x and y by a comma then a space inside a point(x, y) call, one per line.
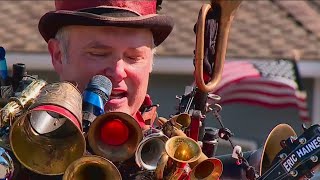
point(160, 25)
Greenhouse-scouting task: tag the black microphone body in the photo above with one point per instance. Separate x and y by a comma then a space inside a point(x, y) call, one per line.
point(18, 72)
point(95, 97)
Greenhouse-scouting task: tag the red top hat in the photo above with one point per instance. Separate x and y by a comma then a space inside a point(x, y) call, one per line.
point(121, 13)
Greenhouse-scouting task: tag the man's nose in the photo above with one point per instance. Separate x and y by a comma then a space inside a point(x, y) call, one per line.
point(116, 71)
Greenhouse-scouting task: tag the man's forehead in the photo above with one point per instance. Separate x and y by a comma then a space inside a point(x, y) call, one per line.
point(109, 37)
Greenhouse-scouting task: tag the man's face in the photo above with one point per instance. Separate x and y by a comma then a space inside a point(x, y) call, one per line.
point(123, 55)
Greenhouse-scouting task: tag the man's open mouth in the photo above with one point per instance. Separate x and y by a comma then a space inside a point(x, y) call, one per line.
point(118, 95)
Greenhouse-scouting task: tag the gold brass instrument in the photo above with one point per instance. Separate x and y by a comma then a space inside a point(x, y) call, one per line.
point(150, 150)
point(228, 9)
point(115, 153)
point(48, 137)
point(214, 166)
point(178, 132)
point(209, 169)
point(179, 152)
point(17, 104)
point(182, 120)
point(92, 167)
point(260, 159)
point(171, 127)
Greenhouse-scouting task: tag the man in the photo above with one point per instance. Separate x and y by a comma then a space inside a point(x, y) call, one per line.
point(114, 38)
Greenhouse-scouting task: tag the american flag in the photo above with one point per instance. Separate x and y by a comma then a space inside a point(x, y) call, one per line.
point(272, 84)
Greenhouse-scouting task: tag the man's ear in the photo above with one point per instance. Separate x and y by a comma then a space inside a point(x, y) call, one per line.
point(151, 63)
point(151, 66)
point(56, 55)
point(153, 51)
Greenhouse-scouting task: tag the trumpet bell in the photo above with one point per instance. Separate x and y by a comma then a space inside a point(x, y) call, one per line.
point(48, 137)
point(183, 149)
point(92, 167)
point(209, 169)
point(182, 120)
point(180, 150)
point(119, 152)
point(150, 150)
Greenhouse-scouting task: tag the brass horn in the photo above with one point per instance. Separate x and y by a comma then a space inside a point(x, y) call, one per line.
point(169, 129)
point(182, 120)
point(260, 159)
point(17, 106)
point(150, 150)
point(179, 152)
point(119, 151)
point(175, 131)
point(228, 9)
point(48, 137)
point(209, 169)
point(92, 167)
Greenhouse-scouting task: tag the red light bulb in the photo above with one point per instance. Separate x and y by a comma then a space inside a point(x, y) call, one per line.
point(114, 132)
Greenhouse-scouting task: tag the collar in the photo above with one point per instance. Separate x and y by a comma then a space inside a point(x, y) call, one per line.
point(138, 117)
point(147, 113)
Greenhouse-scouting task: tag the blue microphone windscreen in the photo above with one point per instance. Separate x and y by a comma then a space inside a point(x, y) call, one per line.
point(102, 84)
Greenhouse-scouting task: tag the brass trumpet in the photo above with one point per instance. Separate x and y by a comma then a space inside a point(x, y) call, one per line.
point(179, 152)
point(92, 167)
point(178, 132)
point(213, 166)
point(182, 120)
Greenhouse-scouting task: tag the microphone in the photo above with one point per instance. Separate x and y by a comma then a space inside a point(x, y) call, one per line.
point(95, 97)
point(18, 72)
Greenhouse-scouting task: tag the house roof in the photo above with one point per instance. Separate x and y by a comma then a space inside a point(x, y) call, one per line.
point(261, 29)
